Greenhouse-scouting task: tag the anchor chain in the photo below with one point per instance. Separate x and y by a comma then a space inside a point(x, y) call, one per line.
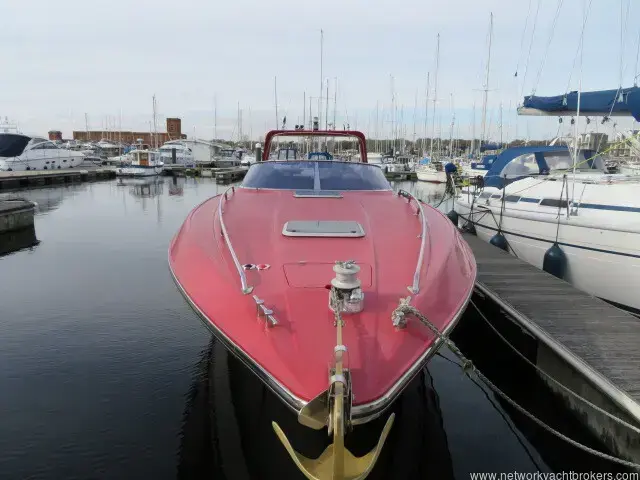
point(404, 309)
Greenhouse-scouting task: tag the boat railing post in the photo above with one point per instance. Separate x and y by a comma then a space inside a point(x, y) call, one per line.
point(173, 155)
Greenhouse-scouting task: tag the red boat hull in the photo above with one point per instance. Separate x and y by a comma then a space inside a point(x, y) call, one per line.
point(293, 358)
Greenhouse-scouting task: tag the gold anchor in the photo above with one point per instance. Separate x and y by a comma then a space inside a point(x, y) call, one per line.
point(336, 462)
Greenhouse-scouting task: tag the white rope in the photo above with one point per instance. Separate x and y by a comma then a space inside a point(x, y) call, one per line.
point(404, 308)
point(546, 51)
point(533, 33)
point(575, 58)
point(635, 72)
point(524, 32)
point(546, 375)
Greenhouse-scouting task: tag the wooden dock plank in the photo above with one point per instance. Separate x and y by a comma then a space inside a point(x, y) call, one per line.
point(605, 337)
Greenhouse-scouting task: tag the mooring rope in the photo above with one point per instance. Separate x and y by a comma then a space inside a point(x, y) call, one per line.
point(549, 377)
point(404, 309)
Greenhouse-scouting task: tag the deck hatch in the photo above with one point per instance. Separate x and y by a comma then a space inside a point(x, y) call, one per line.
point(322, 228)
point(317, 194)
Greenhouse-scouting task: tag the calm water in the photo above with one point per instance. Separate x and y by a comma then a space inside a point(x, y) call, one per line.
point(105, 373)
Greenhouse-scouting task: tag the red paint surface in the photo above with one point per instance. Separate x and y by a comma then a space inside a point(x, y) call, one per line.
point(298, 351)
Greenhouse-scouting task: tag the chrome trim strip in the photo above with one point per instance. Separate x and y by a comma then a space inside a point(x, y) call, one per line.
point(243, 279)
point(360, 413)
point(415, 288)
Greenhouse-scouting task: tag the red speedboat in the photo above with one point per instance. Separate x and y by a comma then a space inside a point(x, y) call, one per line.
point(300, 272)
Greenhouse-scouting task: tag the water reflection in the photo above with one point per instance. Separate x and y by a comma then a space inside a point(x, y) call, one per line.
point(46, 199)
point(143, 187)
point(176, 186)
point(227, 431)
point(17, 240)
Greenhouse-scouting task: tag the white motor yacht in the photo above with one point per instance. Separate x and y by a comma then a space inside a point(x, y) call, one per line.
point(20, 152)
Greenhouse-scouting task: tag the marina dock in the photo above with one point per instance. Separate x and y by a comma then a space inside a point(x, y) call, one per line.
point(399, 176)
point(16, 215)
point(221, 175)
point(584, 343)
point(24, 179)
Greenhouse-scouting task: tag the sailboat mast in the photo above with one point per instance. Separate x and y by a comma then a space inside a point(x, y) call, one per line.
point(486, 84)
point(393, 117)
point(500, 124)
point(453, 121)
point(377, 140)
point(326, 119)
point(335, 100)
point(575, 140)
point(321, 81)
point(426, 112)
point(415, 113)
point(275, 95)
point(435, 96)
point(215, 117)
point(304, 108)
point(155, 126)
point(473, 131)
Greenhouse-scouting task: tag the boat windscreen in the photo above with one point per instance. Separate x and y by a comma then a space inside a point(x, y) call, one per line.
point(12, 145)
point(320, 175)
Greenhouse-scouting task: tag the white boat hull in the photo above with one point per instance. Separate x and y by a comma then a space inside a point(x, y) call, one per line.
point(44, 160)
point(138, 171)
point(431, 175)
point(602, 262)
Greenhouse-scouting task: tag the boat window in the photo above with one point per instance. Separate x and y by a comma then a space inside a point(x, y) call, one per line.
point(315, 175)
point(485, 194)
point(553, 202)
point(558, 160)
point(521, 166)
point(511, 198)
point(50, 146)
point(12, 145)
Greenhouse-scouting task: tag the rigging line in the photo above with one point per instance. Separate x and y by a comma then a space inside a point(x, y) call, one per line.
point(564, 181)
point(575, 58)
point(624, 18)
point(533, 33)
point(635, 72)
point(546, 51)
point(524, 32)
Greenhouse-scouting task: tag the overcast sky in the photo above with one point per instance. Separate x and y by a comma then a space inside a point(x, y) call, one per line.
point(65, 58)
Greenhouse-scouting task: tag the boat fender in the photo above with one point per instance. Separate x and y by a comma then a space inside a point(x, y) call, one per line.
point(500, 241)
point(450, 168)
point(555, 261)
point(453, 216)
point(470, 227)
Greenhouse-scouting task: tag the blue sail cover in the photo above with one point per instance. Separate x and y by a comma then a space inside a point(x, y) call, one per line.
point(602, 102)
point(491, 146)
point(494, 177)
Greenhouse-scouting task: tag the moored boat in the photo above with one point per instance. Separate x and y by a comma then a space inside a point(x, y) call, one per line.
point(308, 272)
point(579, 224)
point(144, 163)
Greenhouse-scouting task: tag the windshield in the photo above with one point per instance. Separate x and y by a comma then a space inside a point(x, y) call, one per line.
point(12, 145)
point(312, 175)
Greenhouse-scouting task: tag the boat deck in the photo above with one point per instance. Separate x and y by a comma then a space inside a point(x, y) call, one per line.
point(601, 341)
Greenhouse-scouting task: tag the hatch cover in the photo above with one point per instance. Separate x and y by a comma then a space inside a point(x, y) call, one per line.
point(322, 228)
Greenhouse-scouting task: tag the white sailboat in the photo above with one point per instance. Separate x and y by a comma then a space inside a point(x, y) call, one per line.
point(559, 209)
